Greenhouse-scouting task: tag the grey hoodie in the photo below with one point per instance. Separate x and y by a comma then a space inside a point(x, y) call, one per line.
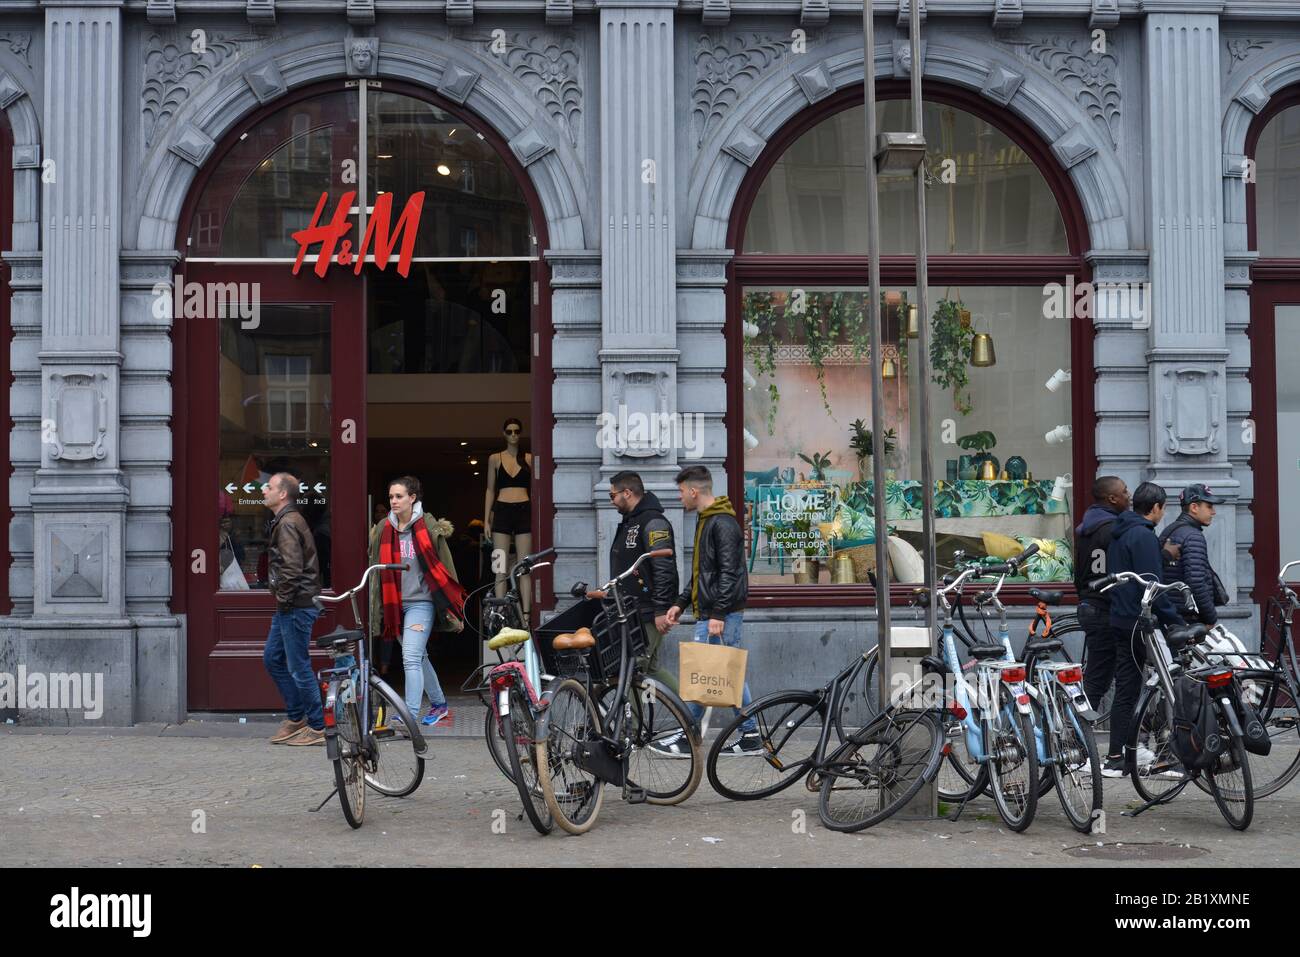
point(414, 587)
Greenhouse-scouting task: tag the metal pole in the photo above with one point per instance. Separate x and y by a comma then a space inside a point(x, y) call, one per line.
point(877, 386)
point(923, 316)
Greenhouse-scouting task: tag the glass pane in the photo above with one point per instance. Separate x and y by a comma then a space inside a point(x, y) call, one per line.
point(1287, 332)
point(268, 185)
point(450, 317)
point(473, 205)
point(807, 477)
point(814, 199)
point(265, 430)
point(1277, 193)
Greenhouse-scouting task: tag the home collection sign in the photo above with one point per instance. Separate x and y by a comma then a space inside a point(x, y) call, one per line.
point(330, 235)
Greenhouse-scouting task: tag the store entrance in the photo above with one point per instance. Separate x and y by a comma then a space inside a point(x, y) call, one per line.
point(445, 370)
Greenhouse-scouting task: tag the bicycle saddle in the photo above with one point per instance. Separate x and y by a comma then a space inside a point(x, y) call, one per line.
point(574, 640)
point(339, 636)
point(506, 637)
point(935, 664)
point(1177, 638)
point(1047, 597)
point(1042, 646)
point(994, 650)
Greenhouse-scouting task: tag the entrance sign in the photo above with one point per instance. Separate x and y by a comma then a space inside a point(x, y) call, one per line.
point(330, 234)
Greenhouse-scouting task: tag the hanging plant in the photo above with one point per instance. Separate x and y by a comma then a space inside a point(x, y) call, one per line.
point(950, 351)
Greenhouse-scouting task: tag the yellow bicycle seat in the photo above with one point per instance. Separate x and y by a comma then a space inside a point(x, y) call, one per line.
point(506, 637)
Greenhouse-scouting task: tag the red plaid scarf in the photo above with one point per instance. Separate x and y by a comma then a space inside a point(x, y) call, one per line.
point(447, 592)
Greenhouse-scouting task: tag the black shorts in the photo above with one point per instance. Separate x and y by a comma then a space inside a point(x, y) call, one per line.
point(512, 518)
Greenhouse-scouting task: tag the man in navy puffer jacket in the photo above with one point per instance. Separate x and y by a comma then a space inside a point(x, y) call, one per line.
point(1192, 567)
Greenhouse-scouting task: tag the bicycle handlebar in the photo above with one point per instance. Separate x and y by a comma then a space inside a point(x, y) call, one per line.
point(343, 596)
point(1149, 582)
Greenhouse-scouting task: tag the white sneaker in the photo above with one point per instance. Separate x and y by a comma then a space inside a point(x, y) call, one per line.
point(1145, 757)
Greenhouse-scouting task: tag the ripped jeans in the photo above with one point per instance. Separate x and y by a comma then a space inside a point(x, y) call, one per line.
point(417, 622)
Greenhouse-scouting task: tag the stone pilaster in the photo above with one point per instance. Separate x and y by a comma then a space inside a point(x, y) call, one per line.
point(638, 355)
point(1188, 351)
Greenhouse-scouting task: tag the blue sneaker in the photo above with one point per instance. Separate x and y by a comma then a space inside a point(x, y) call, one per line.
point(437, 713)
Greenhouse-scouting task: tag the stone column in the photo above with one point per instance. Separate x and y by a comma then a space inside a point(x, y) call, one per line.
point(78, 498)
point(1187, 346)
point(639, 352)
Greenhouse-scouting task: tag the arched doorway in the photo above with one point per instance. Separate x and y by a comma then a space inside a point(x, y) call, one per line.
point(1005, 226)
point(1273, 230)
point(349, 379)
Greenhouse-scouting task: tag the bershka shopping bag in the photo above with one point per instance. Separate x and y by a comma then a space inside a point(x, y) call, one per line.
point(711, 675)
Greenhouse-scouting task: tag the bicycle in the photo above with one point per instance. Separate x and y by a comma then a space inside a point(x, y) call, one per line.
point(1229, 778)
point(509, 690)
point(348, 687)
point(578, 750)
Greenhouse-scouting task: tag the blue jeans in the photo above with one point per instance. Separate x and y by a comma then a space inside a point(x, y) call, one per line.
point(730, 637)
point(287, 657)
point(417, 621)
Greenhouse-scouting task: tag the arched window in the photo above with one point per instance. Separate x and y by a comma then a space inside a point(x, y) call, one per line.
point(1005, 240)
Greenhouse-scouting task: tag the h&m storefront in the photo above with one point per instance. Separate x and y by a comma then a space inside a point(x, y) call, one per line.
point(652, 212)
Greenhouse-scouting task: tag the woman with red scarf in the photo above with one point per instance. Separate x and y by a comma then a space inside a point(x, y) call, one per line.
point(409, 605)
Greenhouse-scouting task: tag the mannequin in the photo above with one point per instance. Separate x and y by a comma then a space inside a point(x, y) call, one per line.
point(507, 508)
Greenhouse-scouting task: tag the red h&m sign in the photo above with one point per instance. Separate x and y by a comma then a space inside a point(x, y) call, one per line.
point(330, 234)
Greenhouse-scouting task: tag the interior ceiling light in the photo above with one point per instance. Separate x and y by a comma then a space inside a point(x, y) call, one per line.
point(444, 169)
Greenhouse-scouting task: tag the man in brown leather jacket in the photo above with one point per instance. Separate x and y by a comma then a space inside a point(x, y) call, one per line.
point(294, 575)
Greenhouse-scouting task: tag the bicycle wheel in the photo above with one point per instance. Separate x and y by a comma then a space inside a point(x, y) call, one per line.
point(1012, 763)
point(657, 719)
point(1076, 768)
point(493, 731)
point(350, 765)
point(397, 769)
point(1153, 730)
point(961, 778)
point(573, 794)
point(868, 692)
point(878, 770)
point(1229, 780)
point(1276, 707)
point(519, 729)
point(789, 725)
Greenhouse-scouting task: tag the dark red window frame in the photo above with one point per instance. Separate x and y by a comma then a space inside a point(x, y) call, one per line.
point(1273, 281)
point(852, 270)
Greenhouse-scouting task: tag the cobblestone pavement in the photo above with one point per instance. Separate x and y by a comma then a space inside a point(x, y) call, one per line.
point(129, 796)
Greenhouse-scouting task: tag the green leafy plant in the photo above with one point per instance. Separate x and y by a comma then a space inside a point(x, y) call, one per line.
point(980, 442)
point(820, 463)
point(862, 443)
point(950, 351)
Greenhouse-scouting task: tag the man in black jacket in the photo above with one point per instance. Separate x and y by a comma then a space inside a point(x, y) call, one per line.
point(1092, 538)
point(643, 529)
point(719, 582)
point(1133, 548)
point(1192, 565)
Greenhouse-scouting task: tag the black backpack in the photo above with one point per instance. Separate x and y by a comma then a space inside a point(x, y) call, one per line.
point(1196, 739)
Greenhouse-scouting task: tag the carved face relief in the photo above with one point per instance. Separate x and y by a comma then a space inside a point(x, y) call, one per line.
point(361, 57)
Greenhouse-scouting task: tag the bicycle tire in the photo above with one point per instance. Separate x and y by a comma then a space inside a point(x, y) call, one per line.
point(573, 795)
point(1152, 724)
point(788, 711)
point(906, 747)
point(349, 766)
point(496, 742)
point(1237, 811)
point(1081, 789)
point(1279, 767)
point(1011, 748)
point(519, 736)
point(395, 774)
point(657, 716)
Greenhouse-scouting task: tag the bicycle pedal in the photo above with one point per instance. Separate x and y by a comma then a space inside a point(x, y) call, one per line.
point(634, 795)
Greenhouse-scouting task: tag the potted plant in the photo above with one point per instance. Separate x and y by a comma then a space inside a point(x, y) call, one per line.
point(861, 441)
point(980, 443)
point(951, 341)
point(820, 462)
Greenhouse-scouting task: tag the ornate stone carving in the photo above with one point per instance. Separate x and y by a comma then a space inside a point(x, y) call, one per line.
point(193, 145)
point(1240, 50)
point(361, 11)
point(457, 83)
point(745, 145)
point(530, 146)
point(1072, 147)
point(10, 91)
point(260, 11)
point(905, 11)
point(1253, 97)
point(902, 55)
point(814, 13)
point(1090, 76)
point(724, 69)
point(815, 83)
point(362, 56)
point(550, 66)
point(266, 82)
point(172, 71)
point(1002, 84)
point(19, 45)
point(1190, 413)
point(161, 11)
point(716, 12)
point(78, 560)
point(559, 12)
point(78, 425)
point(1105, 14)
point(646, 393)
point(1007, 14)
point(460, 11)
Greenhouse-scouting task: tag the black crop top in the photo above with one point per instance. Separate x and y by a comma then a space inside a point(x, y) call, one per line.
point(519, 480)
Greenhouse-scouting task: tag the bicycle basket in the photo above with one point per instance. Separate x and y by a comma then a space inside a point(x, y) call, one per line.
point(609, 646)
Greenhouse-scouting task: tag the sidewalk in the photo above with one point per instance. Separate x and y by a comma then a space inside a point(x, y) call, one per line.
point(214, 792)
